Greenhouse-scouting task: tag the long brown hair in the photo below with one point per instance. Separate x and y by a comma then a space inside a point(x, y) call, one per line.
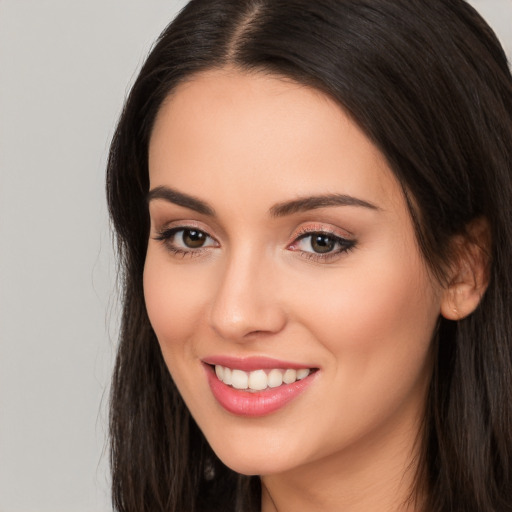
point(429, 84)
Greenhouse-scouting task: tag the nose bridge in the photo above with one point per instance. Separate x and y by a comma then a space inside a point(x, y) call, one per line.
point(246, 301)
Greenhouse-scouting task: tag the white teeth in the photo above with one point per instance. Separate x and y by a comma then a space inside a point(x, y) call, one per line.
point(274, 378)
point(239, 379)
point(289, 376)
point(302, 373)
point(258, 380)
point(226, 378)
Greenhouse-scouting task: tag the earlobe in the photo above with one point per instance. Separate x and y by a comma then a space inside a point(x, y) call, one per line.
point(469, 274)
point(460, 300)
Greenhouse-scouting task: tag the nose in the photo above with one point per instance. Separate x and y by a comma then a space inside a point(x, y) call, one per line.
point(246, 302)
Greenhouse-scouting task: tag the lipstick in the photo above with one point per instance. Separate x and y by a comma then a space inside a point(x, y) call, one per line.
point(250, 403)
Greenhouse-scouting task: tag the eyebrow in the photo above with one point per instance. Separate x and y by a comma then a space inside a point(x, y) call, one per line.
point(313, 202)
point(181, 199)
point(301, 204)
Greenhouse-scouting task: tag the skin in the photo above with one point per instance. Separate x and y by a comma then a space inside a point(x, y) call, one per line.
point(365, 317)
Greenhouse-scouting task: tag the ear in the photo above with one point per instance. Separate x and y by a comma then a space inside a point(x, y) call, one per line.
point(469, 271)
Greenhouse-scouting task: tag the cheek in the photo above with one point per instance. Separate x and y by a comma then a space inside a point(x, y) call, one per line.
point(376, 312)
point(376, 322)
point(376, 330)
point(173, 302)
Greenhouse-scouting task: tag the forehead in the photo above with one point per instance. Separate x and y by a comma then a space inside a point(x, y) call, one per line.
point(258, 135)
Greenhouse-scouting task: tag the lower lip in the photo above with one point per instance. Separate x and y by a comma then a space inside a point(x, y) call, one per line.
point(259, 403)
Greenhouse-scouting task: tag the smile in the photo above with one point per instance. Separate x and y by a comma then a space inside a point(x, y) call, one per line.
point(261, 379)
point(263, 387)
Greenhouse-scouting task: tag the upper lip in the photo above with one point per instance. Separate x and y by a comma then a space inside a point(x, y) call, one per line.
point(252, 363)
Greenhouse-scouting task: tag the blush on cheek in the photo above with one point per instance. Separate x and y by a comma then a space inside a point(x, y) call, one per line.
point(369, 311)
point(173, 302)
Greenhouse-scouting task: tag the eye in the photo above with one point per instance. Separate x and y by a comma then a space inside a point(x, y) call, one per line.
point(321, 245)
point(185, 240)
point(191, 238)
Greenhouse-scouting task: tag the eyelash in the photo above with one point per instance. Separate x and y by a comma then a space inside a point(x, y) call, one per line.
point(166, 236)
point(345, 245)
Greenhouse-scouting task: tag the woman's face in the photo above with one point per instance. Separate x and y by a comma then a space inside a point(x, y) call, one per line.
point(282, 256)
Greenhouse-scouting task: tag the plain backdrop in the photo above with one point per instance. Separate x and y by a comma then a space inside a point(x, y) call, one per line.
point(65, 68)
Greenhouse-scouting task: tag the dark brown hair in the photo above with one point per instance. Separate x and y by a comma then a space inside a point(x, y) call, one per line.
point(429, 84)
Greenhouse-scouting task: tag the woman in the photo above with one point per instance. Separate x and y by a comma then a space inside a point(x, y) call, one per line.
point(313, 207)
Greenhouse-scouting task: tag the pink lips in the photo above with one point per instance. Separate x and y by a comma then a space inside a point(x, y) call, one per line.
point(254, 404)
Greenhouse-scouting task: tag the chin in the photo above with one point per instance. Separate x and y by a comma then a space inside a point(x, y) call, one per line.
point(259, 453)
point(258, 464)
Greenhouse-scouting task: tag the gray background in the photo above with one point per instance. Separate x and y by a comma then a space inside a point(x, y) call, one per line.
point(65, 67)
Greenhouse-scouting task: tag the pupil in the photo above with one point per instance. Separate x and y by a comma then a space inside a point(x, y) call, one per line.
point(322, 243)
point(193, 238)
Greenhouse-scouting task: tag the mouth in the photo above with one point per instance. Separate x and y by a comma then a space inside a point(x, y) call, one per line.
point(261, 379)
point(259, 389)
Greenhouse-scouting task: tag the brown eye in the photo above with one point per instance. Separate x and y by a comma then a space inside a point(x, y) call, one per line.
point(322, 243)
point(184, 240)
point(193, 238)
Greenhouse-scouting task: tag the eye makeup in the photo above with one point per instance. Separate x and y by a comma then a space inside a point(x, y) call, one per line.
point(317, 243)
point(186, 240)
point(321, 243)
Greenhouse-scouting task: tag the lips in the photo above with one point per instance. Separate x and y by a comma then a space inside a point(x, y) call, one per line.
point(256, 386)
